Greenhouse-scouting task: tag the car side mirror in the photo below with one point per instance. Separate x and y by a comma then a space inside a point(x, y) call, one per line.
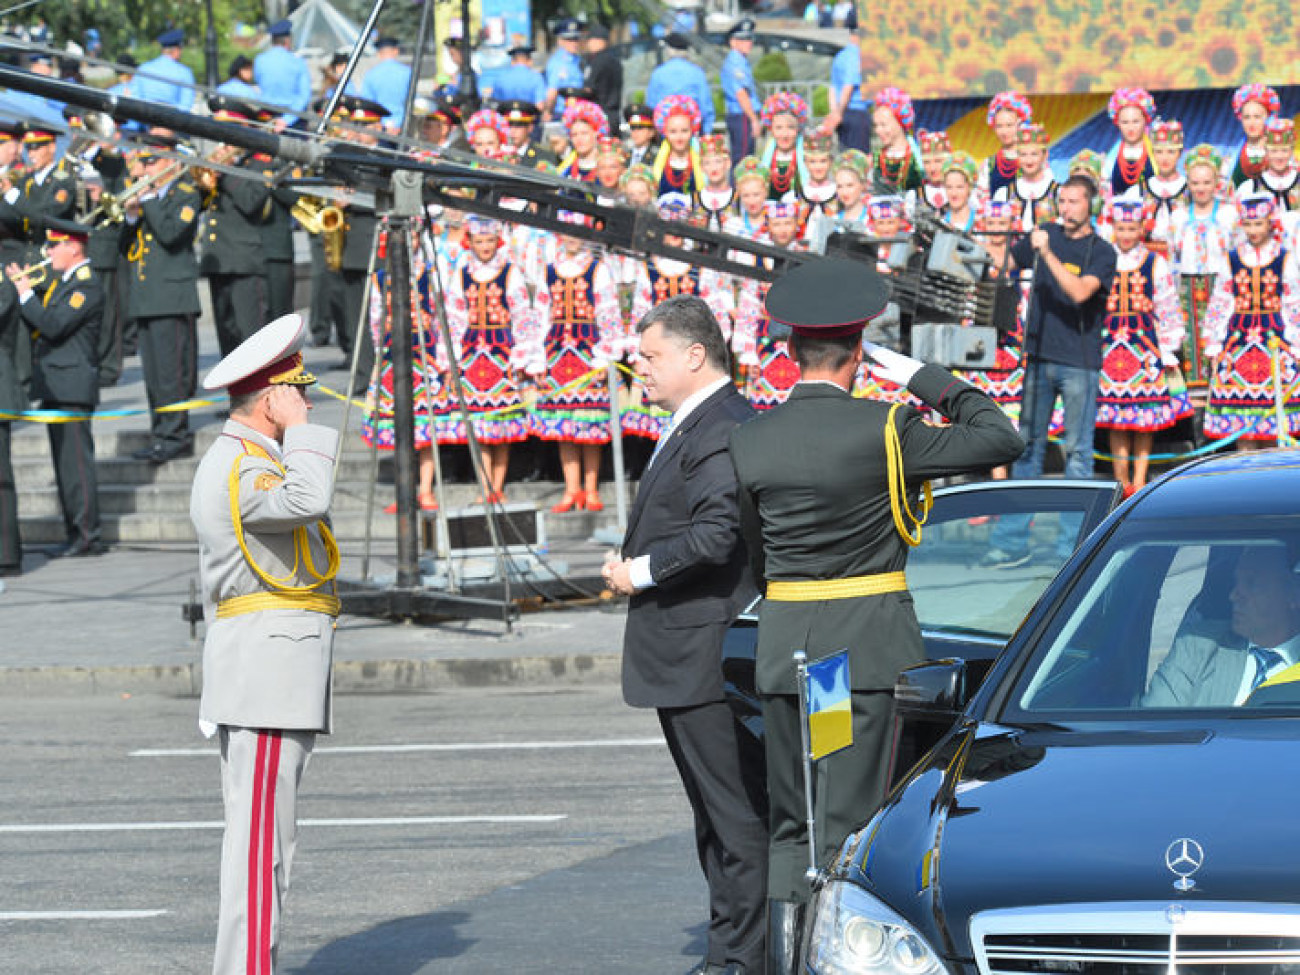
point(934, 689)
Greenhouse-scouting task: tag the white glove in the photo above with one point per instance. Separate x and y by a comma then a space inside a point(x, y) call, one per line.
point(890, 365)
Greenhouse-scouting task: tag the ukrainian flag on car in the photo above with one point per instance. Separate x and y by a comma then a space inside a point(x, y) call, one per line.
point(830, 714)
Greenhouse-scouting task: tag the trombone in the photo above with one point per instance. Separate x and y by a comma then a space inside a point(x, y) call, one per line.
point(111, 207)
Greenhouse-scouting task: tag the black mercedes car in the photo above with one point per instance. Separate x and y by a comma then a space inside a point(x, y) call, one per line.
point(1118, 794)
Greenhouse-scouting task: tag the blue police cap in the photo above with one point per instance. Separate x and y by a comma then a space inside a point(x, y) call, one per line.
point(742, 30)
point(172, 38)
point(569, 29)
point(282, 28)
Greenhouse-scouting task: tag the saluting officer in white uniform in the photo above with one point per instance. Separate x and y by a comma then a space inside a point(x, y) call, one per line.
point(260, 506)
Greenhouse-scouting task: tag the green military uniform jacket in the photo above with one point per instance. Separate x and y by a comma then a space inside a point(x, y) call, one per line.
point(64, 318)
point(277, 228)
point(12, 399)
point(56, 196)
point(361, 237)
point(815, 506)
point(231, 234)
point(164, 273)
point(108, 239)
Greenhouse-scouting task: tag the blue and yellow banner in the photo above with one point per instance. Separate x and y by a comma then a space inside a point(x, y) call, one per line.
point(830, 705)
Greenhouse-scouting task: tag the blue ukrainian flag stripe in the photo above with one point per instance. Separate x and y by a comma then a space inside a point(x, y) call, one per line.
point(830, 715)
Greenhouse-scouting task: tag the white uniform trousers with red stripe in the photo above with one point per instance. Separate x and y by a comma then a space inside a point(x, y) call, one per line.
point(260, 772)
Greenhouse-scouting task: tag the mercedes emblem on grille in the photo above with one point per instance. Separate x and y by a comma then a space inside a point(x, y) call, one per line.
point(1183, 858)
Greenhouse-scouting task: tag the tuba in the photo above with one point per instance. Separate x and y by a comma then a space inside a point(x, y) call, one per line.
point(318, 217)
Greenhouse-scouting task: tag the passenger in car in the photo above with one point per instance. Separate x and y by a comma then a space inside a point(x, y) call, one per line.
point(1210, 666)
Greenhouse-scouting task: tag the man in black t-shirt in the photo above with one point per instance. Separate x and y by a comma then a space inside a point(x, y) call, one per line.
point(1072, 273)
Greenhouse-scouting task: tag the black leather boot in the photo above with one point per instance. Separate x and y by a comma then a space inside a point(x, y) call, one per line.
point(784, 921)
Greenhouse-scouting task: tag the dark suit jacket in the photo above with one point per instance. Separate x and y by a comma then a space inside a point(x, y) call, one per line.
point(687, 520)
point(815, 500)
point(65, 327)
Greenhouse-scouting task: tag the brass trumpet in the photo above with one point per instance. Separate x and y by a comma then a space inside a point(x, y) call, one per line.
point(318, 217)
point(33, 275)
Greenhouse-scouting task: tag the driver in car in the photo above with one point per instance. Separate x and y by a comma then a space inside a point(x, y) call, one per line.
point(1208, 670)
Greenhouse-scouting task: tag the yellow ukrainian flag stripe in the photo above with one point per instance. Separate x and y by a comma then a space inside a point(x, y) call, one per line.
point(830, 729)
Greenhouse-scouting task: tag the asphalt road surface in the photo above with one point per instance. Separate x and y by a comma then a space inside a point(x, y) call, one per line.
point(470, 831)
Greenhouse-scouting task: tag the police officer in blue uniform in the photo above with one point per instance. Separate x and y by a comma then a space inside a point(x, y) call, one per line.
point(387, 81)
point(518, 81)
point(283, 76)
point(739, 91)
point(165, 79)
point(563, 67)
point(678, 76)
point(850, 113)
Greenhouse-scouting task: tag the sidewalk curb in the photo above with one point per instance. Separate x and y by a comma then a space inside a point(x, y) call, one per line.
point(350, 676)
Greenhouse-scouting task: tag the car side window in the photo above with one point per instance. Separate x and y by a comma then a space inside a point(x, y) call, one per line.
point(1186, 600)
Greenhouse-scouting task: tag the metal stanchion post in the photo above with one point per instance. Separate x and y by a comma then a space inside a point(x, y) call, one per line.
point(801, 675)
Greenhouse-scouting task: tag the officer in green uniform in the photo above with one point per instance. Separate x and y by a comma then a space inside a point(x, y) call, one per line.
point(47, 190)
point(828, 526)
point(64, 322)
point(361, 222)
point(108, 256)
point(230, 236)
point(277, 242)
point(521, 122)
point(12, 398)
point(164, 297)
point(326, 285)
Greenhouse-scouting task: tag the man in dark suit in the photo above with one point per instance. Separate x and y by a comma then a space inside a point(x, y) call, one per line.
point(64, 322)
point(825, 526)
point(685, 570)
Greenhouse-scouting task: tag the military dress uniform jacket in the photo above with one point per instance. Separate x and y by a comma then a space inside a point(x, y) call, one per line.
point(165, 274)
point(815, 506)
point(64, 319)
point(12, 399)
point(231, 233)
point(55, 197)
point(360, 238)
point(269, 668)
point(687, 520)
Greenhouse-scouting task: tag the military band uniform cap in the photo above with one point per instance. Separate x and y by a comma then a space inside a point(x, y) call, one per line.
point(447, 107)
point(387, 42)
point(271, 356)
point(640, 115)
point(519, 49)
point(827, 297)
point(364, 109)
point(40, 133)
point(518, 112)
point(57, 229)
point(149, 143)
point(677, 41)
point(172, 38)
point(742, 30)
point(569, 29)
point(574, 92)
point(281, 28)
point(11, 129)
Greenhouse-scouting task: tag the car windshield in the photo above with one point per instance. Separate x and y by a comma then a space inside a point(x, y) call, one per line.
point(1171, 617)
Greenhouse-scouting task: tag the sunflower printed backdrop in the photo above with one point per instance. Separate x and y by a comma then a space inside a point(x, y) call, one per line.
point(936, 50)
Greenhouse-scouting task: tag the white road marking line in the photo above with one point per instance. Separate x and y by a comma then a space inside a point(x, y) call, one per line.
point(78, 915)
point(218, 824)
point(459, 746)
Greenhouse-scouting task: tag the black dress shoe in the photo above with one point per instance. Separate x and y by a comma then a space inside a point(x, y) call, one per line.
point(159, 454)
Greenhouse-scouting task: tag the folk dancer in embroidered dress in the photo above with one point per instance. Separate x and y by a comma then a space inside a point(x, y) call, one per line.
point(1200, 238)
point(1007, 111)
point(493, 331)
point(817, 190)
point(1166, 190)
point(852, 182)
point(1033, 188)
point(897, 161)
point(1281, 176)
point(717, 196)
point(1004, 382)
point(585, 122)
point(767, 370)
point(935, 150)
point(1143, 332)
point(1254, 105)
point(886, 217)
point(426, 377)
point(581, 327)
point(489, 134)
point(1129, 164)
point(1255, 308)
point(960, 182)
point(611, 160)
point(752, 181)
point(784, 116)
point(677, 163)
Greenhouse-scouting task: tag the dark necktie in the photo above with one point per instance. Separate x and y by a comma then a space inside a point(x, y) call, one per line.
point(1265, 660)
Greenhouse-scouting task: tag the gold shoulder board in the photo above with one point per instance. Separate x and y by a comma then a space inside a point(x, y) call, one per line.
point(83, 273)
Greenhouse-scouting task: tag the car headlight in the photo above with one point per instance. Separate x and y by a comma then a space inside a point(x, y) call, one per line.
point(853, 933)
